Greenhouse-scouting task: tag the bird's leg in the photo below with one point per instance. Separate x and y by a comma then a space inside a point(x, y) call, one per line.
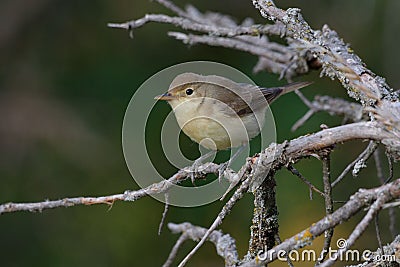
point(195, 166)
point(225, 165)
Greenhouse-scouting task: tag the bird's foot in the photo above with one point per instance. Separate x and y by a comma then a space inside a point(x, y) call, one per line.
point(222, 168)
point(194, 169)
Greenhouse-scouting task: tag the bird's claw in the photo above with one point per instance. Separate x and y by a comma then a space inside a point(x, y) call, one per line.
point(194, 170)
point(222, 168)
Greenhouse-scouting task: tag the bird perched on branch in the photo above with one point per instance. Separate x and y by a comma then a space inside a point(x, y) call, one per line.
point(219, 113)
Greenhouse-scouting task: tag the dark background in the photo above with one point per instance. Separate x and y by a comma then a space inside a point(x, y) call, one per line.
point(65, 82)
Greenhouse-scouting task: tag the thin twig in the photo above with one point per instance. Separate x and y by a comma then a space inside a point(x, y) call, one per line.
point(224, 243)
point(239, 44)
point(174, 8)
point(390, 161)
point(377, 231)
point(352, 112)
point(164, 214)
point(302, 120)
point(362, 158)
point(326, 177)
point(391, 211)
point(294, 171)
point(225, 211)
point(378, 166)
point(188, 24)
point(174, 251)
point(392, 222)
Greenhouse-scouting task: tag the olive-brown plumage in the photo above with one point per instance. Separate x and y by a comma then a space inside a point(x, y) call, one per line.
point(219, 113)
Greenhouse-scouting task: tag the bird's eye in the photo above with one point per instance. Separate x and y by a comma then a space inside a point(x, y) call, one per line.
point(189, 91)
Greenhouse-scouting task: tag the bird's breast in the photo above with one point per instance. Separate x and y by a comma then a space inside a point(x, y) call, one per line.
point(216, 130)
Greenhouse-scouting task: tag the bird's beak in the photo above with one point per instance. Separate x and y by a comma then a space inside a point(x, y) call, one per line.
point(166, 96)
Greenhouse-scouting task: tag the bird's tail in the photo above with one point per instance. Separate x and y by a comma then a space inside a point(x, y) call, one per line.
point(293, 86)
point(271, 94)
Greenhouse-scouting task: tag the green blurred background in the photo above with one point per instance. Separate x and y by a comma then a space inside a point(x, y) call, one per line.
point(65, 82)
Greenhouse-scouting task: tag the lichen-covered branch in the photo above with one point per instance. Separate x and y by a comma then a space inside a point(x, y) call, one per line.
point(224, 243)
point(265, 226)
point(351, 112)
point(128, 195)
point(295, 149)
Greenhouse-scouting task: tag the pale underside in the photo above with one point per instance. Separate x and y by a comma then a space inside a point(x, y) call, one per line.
point(213, 129)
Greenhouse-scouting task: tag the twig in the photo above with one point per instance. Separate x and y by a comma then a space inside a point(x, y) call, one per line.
point(392, 222)
point(380, 175)
point(153, 189)
point(225, 211)
point(224, 243)
point(174, 251)
point(326, 177)
point(294, 171)
point(352, 112)
point(302, 120)
point(267, 51)
point(174, 8)
point(390, 161)
point(188, 24)
point(378, 166)
point(338, 60)
point(375, 258)
point(164, 214)
point(361, 159)
point(377, 231)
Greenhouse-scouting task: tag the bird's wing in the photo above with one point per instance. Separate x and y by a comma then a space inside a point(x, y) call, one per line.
point(241, 98)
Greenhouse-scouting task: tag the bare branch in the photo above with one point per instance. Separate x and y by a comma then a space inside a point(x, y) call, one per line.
point(174, 8)
point(352, 112)
point(223, 213)
point(188, 24)
point(294, 150)
point(224, 243)
point(175, 249)
point(164, 214)
point(380, 175)
point(326, 173)
point(153, 189)
point(294, 171)
point(361, 159)
point(377, 231)
point(270, 52)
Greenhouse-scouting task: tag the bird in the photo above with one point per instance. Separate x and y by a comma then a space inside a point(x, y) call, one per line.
point(219, 113)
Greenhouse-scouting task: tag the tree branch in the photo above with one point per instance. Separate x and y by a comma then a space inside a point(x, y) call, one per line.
point(161, 187)
point(225, 244)
point(294, 150)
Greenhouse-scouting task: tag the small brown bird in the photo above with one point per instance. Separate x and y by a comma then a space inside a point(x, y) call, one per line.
point(219, 113)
